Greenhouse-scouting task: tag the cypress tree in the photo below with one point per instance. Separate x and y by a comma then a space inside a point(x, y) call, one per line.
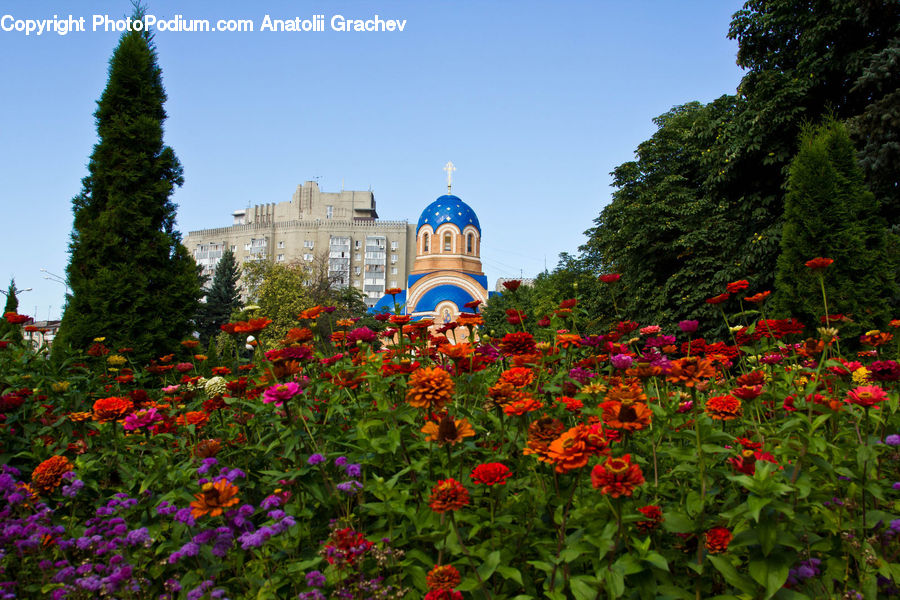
point(222, 298)
point(131, 279)
point(829, 212)
point(7, 330)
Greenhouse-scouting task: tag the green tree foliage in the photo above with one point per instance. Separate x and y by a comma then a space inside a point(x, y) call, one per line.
point(222, 298)
point(830, 213)
point(130, 276)
point(9, 331)
point(282, 291)
point(703, 202)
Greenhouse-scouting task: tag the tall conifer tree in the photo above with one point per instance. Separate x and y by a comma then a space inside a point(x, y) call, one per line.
point(222, 298)
point(13, 332)
point(829, 212)
point(131, 279)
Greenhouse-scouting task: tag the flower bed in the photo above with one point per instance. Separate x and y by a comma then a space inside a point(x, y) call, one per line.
point(635, 464)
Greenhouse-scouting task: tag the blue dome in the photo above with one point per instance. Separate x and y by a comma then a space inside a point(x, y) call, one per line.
point(430, 299)
point(448, 209)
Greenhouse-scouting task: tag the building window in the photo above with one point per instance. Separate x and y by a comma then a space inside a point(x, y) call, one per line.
point(470, 243)
point(393, 270)
point(393, 245)
point(280, 258)
point(233, 248)
point(309, 244)
point(357, 270)
point(425, 242)
point(281, 244)
point(393, 283)
point(329, 211)
point(448, 242)
point(356, 256)
point(357, 242)
point(307, 257)
point(394, 258)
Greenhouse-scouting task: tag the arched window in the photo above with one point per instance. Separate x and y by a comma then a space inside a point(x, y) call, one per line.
point(448, 242)
point(425, 242)
point(470, 244)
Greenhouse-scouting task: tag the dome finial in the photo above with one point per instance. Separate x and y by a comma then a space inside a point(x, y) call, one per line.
point(449, 168)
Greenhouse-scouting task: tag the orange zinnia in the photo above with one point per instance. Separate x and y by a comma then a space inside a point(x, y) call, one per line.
point(194, 417)
point(112, 409)
point(572, 449)
point(626, 415)
point(691, 371)
point(447, 431)
point(214, 498)
point(723, 408)
point(48, 475)
point(517, 376)
point(311, 313)
point(442, 577)
point(429, 388)
point(541, 434)
point(469, 319)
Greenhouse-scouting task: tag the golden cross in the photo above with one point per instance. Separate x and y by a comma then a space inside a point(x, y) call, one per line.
point(449, 168)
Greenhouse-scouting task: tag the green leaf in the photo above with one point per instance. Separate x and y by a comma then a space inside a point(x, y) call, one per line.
point(678, 522)
point(489, 565)
point(756, 504)
point(510, 573)
point(731, 575)
point(770, 572)
point(584, 588)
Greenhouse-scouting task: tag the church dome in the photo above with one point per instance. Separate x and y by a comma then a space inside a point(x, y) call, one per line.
point(448, 209)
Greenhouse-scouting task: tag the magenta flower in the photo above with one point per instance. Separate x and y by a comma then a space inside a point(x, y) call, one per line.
point(621, 361)
point(141, 419)
point(689, 326)
point(281, 392)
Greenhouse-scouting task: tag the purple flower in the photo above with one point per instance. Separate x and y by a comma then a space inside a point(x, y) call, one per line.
point(620, 361)
point(184, 516)
point(354, 470)
point(892, 440)
point(340, 461)
point(272, 501)
point(315, 459)
point(349, 487)
point(315, 579)
point(208, 463)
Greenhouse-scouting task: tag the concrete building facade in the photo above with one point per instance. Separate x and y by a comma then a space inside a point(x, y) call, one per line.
point(343, 228)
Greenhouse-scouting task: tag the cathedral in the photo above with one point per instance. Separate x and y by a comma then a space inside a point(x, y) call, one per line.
point(446, 274)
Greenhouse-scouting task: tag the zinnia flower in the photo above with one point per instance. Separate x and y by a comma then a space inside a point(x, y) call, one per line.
point(429, 388)
point(723, 408)
point(448, 495)
point(517, 343)
point(573, 448)
point(610, 277)
point(512, 285)
point(718, 299)
point(392, 291)
point(654, 518)
point(447, 431)
point(442, 577)
point(617, 476)
point(626, 415)
point(867, 396)
point(688, 326)
point(281, 392)
point(141, 419)
point(112, 409)
point(48, 475)
point(214, 498)
point(717, 540)
point(758, 298)
point(491, 474)
point(819, 263)
point(737, 286)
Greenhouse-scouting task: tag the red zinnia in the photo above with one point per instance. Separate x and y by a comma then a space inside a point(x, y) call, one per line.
point(717, 540)
point(867, 396)
point(448, 495)
point(617, 476)
point(757, 298)
point(654, 518)
point(443, 577)
point(610, 278)
point(737, 286)
point(16, 319)
point(112, 409)
point(718, 299)
point(491, 474)
point(512, 285)
point(819, 263)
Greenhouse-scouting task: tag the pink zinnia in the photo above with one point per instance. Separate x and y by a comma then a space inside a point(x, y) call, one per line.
point(281, 392)
point(141, 419)
point(650, 330)
point(184, 367)
point(867, 396)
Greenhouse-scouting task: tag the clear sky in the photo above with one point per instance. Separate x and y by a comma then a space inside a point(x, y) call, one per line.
point(534, 102)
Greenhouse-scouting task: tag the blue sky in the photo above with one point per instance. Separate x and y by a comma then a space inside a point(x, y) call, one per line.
point(534, 102)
